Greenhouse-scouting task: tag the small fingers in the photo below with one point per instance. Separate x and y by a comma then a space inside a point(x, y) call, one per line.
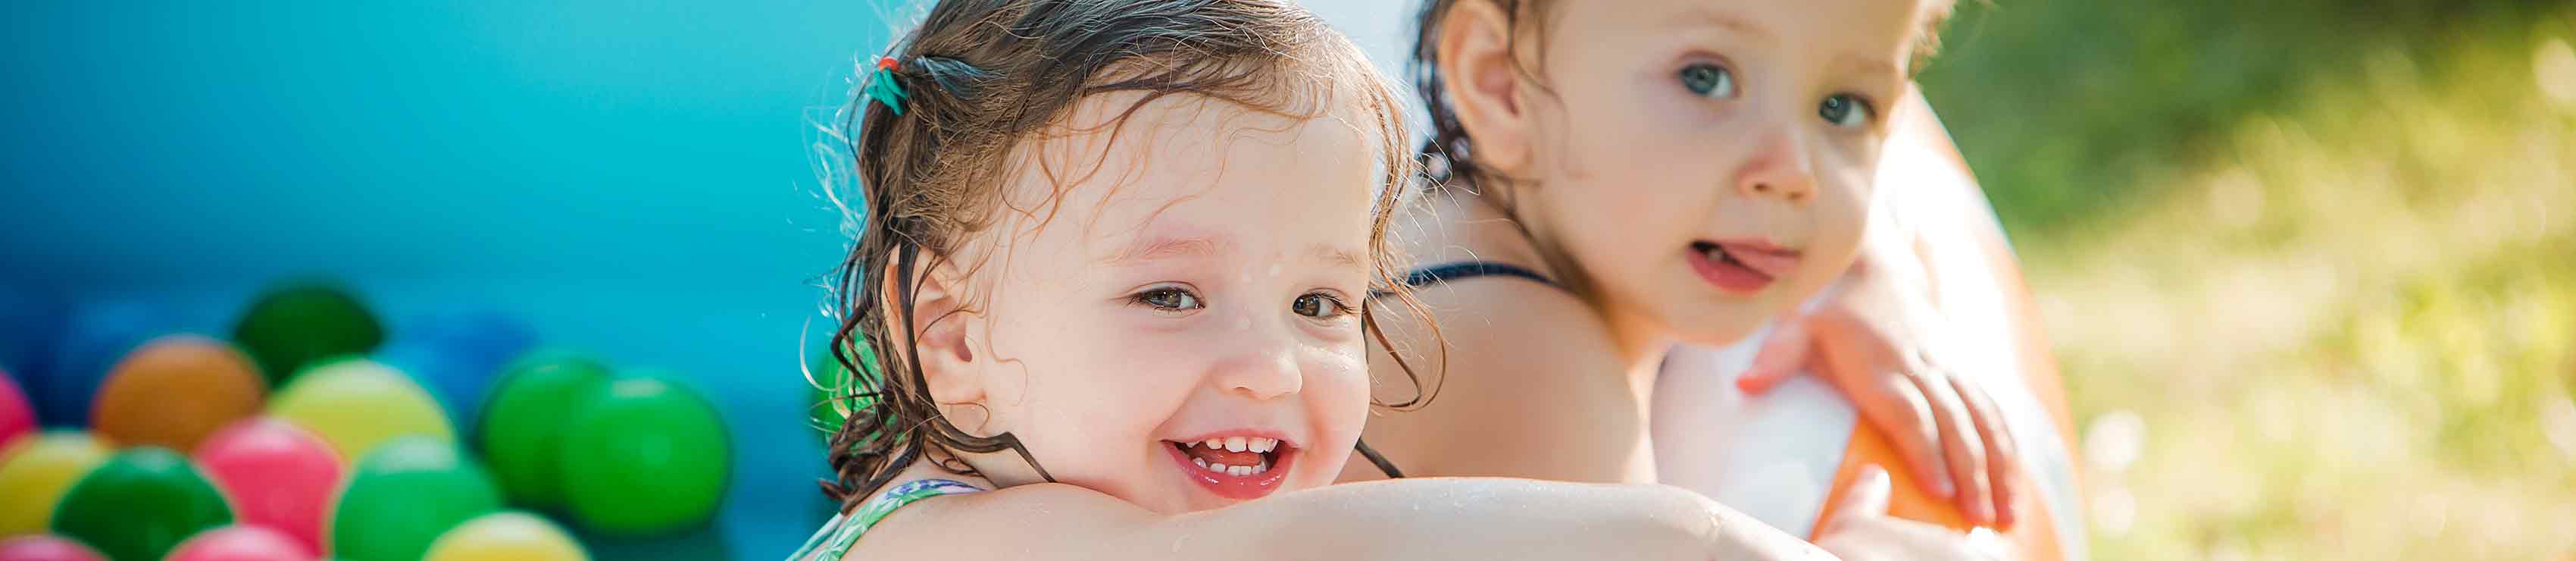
point(1867, 496)
point(1905, 414)
point(1782, 356)
point(2003, 459)
point(1961, 450)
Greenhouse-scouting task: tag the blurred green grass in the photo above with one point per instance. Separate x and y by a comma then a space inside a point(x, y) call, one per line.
point(2310, 267)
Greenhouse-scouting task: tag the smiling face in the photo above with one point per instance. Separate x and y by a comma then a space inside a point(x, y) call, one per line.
point(1700, 165)
point(1170, 315)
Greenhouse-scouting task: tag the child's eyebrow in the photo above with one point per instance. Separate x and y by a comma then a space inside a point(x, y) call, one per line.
point(1155, 247)
point(1166, 245)
point(1870, 66)
point(1724, 20)
point(1340, 257)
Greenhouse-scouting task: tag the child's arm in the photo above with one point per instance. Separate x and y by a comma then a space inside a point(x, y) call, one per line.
point(1406, 520)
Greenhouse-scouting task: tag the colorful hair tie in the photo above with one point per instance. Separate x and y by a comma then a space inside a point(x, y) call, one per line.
point(881, 86)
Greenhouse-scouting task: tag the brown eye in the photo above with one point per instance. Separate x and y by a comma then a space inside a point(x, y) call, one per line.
point(1319, 305)
point(1169, 299)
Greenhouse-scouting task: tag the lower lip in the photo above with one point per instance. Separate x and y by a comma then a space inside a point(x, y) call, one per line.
point(1730, 277)
point(1241, 488)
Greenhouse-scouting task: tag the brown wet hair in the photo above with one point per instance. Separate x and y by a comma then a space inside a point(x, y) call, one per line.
point(985, 77)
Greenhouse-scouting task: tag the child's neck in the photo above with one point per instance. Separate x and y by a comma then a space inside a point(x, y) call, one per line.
point(1642, 345)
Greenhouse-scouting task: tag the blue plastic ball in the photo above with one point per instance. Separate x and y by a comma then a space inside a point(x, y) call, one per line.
point(96, 337)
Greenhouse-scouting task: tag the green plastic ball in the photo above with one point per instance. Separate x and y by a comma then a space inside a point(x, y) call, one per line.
point(294, 325)
point(139, 504)
point(831, 380)
point(522, 426)
point(646, 457)
point(403, 495)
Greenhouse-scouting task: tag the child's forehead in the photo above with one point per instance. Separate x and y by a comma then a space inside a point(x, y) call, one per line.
point(1190, 168)
point(1865, 33)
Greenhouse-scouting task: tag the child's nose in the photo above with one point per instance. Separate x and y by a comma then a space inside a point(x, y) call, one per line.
point(1778, 168)
point(1265, 371)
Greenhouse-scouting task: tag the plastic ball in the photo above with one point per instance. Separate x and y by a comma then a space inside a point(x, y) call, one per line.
point(94, 339)
point(17, 417)
point(295, 325)
point(278, 475)
point(239, 543)
point(644, 433)
point(458, 355)
point(434, 369)
point(403, 495)
point(35, 471)
point(174, 391)
point(29, 322)
point(521, 430)
point(830, 380)
point(506, 536)
point(46, 548)
point(356, 404)
point(139, 503)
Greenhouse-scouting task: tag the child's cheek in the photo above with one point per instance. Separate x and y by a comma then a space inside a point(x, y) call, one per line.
point(1842, 220)
point(1336, 390)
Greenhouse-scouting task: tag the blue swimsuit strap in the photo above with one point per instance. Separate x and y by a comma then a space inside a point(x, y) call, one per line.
point(1447, 272)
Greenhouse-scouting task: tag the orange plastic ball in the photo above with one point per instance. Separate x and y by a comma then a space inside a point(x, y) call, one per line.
point(174, 391)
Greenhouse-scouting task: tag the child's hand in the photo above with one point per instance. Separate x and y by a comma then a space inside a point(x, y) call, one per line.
point(1862, 530)
point(1871, 340)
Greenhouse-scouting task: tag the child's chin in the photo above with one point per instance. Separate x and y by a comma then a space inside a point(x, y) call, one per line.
point(1194, 500)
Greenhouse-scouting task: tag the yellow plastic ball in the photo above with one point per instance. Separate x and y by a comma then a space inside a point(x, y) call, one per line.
point(357, 404)
point(506, 536)
point(34, 472)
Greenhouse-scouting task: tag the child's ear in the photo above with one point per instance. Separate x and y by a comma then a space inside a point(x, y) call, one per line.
point(1482, 81)
point(938, 331)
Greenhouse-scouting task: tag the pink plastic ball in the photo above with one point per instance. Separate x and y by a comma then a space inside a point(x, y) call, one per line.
point(17, 418)
point(46, 548)
point(277, 476)
point(239, 543)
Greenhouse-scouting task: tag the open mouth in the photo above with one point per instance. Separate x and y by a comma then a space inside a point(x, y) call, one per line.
point(1725, 269)
point(1234, 467)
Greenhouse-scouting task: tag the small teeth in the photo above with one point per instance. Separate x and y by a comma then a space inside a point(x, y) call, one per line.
point(1237, 444)
point(1237, 471)
point(1253, 444)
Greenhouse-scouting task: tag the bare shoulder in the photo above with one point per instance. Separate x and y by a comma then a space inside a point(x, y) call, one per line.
point(1524, 377)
